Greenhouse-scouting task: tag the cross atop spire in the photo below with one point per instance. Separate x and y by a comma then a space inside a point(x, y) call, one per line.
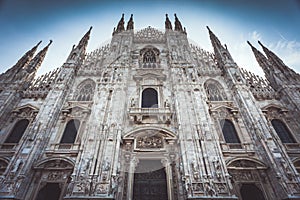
point(168, 24)
point(178, 26)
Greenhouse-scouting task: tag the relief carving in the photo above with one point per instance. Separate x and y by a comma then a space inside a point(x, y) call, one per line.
point(151, 142)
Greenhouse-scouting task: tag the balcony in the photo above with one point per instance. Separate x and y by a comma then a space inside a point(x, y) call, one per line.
point(293, 148)
point(237, 148)
point(150, 115)
point(8, 148)
point(63, 148)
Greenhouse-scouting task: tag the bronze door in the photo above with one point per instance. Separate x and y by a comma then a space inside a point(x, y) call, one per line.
point(150, 185)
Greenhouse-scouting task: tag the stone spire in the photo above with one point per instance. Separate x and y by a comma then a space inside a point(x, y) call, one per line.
point(265, 65)
point(178, 26)
point(130, 23)
point(168, 24)
point(286, 73)
point(221, 53)
point(84, 40)
point(21, 64)
point(261, 59)
point(36, 62)
point(120, 26)
point(78, 52)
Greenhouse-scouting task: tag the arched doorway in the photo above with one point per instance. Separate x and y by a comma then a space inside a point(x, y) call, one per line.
point(250, 192)
point(51, 191)
point(150, 181)
point(249, 179)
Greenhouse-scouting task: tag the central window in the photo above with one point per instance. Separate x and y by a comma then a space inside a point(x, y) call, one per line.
point(149, 98)
point(149, 57)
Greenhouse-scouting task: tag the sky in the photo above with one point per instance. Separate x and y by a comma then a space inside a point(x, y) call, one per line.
point(24, 23)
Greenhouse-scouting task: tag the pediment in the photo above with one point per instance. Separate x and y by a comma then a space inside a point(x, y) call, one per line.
point(276, 107)
point(143, 74)
point(76, 108)
point(216, 107)
point(25, 108)
point(245, 163)
point(55, 163)
point(149, 132)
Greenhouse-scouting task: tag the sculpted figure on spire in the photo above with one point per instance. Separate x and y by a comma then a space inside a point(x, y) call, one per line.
point(130, 23)
point(168, 24)
point(178, 26)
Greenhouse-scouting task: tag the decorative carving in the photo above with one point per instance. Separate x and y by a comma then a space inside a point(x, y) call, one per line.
point(55, 175)
point(241, 176)
point(149, 34)
point(260, 88)
point(149, 142)
point(101, 188)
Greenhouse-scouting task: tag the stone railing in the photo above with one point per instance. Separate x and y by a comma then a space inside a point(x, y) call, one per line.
point(150, 115)
point(63, 148)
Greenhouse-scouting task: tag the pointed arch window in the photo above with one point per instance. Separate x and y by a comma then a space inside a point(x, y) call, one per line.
point(229, 132)
point(214, 92)
point(85, 91)
point(70, 131)
point(149, 98)
point(149, 57)
point(282, 131)
point(18, 131)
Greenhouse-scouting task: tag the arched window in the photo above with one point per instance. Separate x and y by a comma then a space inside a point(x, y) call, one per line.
point(250, 191)
point(85, 91)
point(229, 132)
point(282, 131)
point(149, 57)
point(213, 91)
point(149, 98)
point(17, 132)
point(70, 131)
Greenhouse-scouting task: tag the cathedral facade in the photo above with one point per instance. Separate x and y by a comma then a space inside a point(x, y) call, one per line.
point(149, 117)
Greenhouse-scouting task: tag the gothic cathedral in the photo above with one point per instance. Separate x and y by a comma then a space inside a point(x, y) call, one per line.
point(149, 117)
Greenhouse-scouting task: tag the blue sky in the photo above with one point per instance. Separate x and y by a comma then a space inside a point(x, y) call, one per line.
point(275, 23)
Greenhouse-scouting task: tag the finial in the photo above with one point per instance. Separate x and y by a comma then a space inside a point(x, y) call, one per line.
point(90, 28)
point(49, 43)
point(122, 15)
point(130, 23)
point(249, 43)
point(208, 28)
point(178, 26)
point(168, 24)
point(260, 43)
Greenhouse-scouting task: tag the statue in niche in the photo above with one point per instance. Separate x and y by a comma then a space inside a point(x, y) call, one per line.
point(209, 189)
point(132, 102)
point(166, 104)
point(106, 164)
point(17, 165)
